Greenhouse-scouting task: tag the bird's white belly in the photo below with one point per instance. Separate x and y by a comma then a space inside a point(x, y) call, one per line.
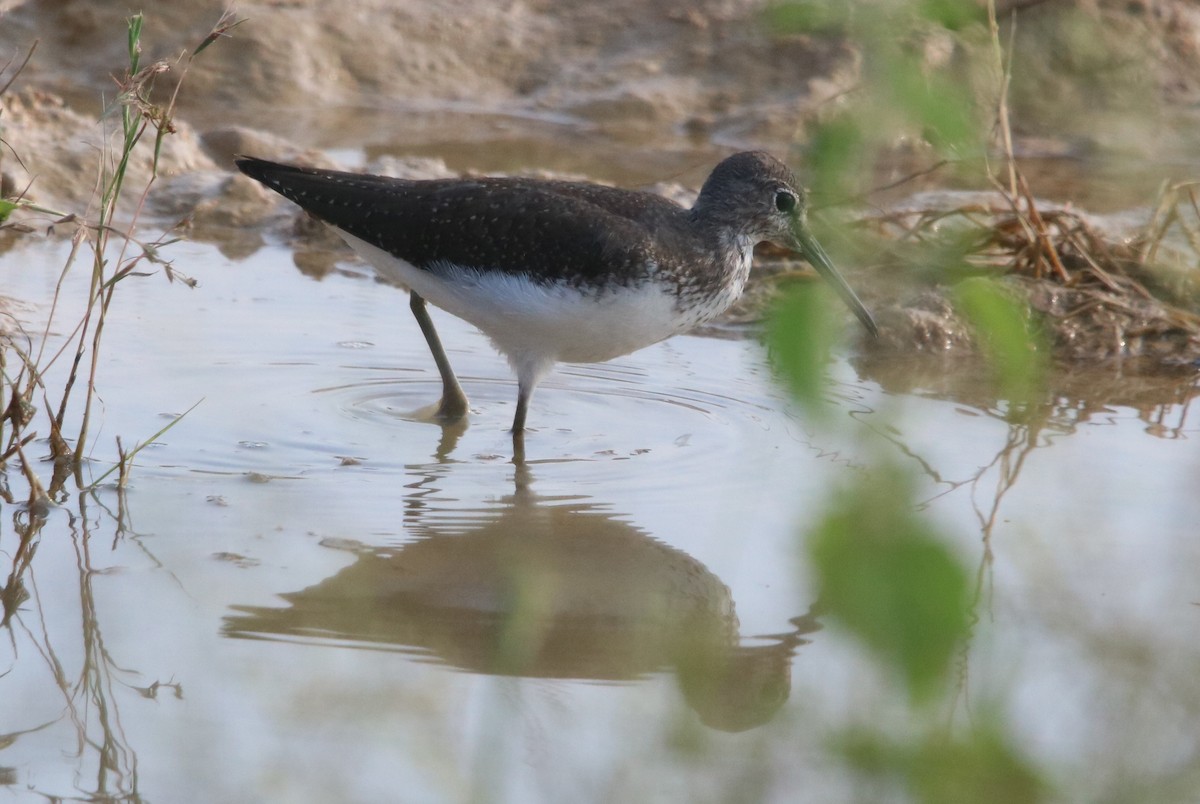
point(541, 322)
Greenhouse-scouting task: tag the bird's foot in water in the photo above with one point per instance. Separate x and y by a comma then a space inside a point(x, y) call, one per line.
point(451, 407)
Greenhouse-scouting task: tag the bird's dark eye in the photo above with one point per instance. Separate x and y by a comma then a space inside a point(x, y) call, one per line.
point(785, 201)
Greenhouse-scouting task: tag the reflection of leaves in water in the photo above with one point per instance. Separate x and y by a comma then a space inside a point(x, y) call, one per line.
point(1071, 396)
point(10, 739)
point(151, 692)
point(946, 764)
point(90, 694)
point(890, 579)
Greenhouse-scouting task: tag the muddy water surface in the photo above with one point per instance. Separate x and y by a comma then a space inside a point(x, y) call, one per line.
point(310, 595)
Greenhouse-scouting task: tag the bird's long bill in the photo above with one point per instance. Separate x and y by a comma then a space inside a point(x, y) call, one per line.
point(812, 251)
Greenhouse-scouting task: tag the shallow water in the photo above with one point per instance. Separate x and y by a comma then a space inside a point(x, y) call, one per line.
point(309, 594)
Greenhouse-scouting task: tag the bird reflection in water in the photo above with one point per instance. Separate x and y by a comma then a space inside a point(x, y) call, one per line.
point(547, 589)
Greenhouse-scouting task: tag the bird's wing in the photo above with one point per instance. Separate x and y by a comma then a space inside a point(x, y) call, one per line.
point(544, 230)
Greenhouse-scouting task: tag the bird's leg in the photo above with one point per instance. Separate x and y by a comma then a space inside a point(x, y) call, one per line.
point(519, 447)
point(529, 372)
point(524, 391)
point(454, 402)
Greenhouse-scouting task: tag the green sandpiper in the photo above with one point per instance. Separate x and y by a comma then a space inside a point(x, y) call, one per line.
point(561, 271)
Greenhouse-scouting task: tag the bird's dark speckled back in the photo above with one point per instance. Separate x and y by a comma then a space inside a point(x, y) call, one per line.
point(546, 230)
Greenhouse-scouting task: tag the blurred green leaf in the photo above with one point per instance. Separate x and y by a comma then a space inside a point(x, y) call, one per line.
point(901, 90)
point(1003, 328)
point(981, 767)
point(801, 332)
point(985, 769)
point(836, 151)
point(952, 14)
point(806, 16)
point(884, 574)
point(6, 209)
point(525, 616)
point(940, 104)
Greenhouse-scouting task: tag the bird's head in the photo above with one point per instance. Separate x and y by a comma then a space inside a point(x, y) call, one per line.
point(759, 199)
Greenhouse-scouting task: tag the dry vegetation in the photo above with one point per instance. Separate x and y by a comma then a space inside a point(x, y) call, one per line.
point(104, 237)
point(1096, 296)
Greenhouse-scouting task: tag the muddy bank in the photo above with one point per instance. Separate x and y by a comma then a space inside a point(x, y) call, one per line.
point(618, 91)
point(623, 91)
point(672, 72)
